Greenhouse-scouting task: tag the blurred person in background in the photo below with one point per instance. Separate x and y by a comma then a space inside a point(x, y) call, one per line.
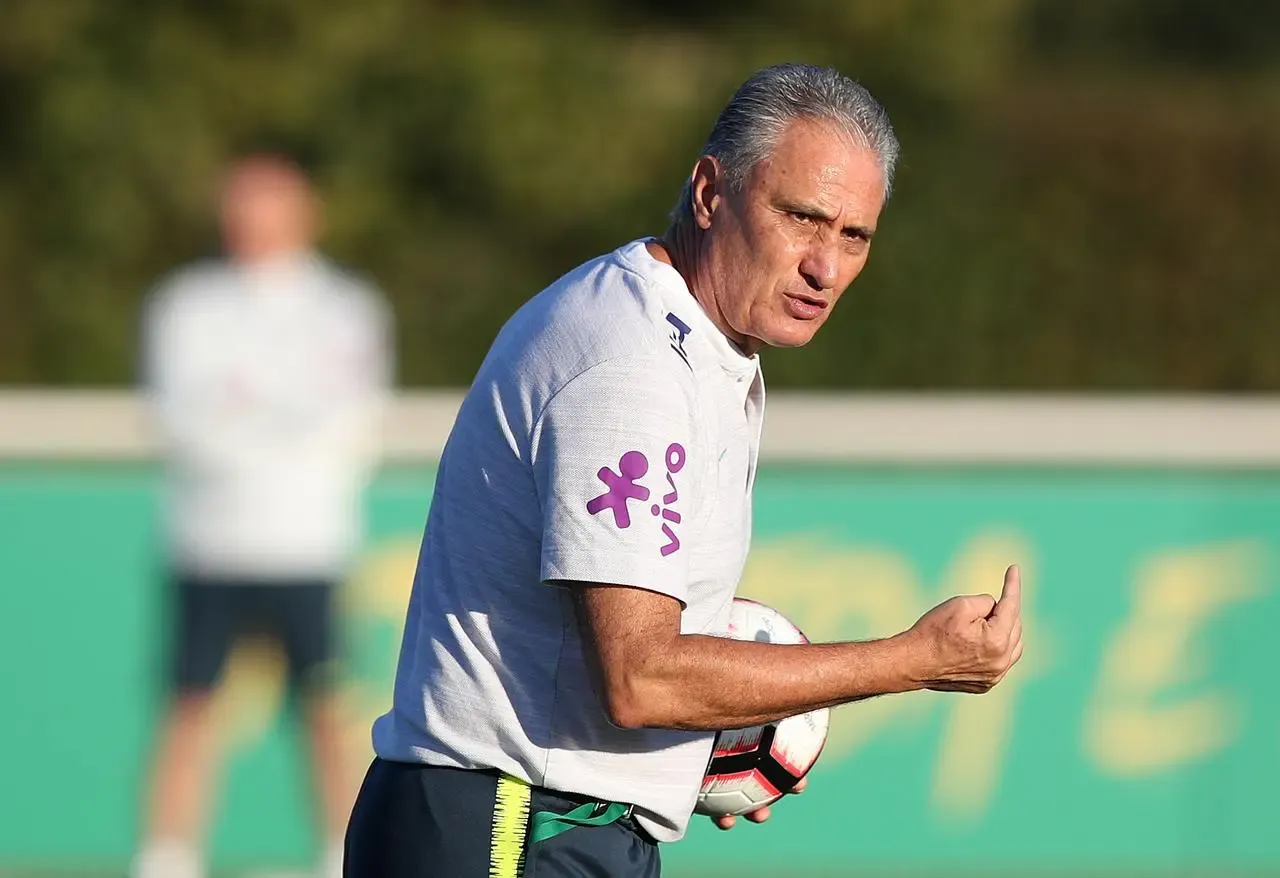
point(267, 373)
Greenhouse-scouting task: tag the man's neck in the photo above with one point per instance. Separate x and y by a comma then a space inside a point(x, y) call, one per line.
point(679, 249)
point(268, 261)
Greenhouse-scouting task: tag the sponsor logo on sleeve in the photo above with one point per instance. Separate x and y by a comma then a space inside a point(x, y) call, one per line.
point(624, 485)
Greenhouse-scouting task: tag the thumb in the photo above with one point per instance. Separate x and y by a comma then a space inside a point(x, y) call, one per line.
point(1009, 607)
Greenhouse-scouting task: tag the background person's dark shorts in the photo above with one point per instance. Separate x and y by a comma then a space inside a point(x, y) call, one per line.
point(210, 615)
point(419, 821)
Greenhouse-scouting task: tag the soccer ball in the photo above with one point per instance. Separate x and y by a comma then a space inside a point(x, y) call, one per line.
point(752, 767)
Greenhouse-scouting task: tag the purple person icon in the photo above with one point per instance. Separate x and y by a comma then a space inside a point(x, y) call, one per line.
point(623, 486)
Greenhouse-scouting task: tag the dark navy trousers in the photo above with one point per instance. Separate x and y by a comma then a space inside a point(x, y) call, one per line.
point(419, 821)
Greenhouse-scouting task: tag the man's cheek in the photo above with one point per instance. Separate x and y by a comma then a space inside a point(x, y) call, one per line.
point(855, 266)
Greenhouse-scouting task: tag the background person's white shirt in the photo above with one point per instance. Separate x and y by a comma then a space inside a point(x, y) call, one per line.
point(610, 436)
point(267, 384)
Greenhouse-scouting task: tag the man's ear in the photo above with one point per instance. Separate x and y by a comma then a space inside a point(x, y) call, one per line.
point(708, 190)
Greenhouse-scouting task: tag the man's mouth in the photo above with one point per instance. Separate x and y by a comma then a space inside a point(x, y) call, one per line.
point(805, 307)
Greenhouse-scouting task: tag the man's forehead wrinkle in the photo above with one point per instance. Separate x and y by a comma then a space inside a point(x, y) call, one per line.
point(827, 180)
point(829, 195)
point(828, 172)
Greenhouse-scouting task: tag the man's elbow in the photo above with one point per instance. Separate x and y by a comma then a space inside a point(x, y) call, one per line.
point(631, 704)
point(626, 715)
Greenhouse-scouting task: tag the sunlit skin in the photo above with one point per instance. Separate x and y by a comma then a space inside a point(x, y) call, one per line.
point(266, 209)
point(768, 263)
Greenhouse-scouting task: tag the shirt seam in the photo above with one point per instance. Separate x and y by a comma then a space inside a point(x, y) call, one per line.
point(619, 358)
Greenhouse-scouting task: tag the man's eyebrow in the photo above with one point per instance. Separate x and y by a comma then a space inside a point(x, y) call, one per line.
point(827, 217)
point(805, 209)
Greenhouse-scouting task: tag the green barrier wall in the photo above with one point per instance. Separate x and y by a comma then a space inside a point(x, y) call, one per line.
point(1141, 731)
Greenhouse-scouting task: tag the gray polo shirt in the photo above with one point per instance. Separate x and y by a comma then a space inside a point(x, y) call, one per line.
point(610, 436)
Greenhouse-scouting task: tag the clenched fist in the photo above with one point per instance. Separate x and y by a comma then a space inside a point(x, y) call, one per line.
point(968, 643)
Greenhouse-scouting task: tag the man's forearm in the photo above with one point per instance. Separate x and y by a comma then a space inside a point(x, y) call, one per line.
point(711, 683)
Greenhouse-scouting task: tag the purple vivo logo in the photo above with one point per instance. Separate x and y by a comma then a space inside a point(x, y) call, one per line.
point(624, 486)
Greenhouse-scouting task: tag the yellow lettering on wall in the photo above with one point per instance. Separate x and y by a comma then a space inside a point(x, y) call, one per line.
point(844, 594)
point(1136, 724)
point(976, 731)
point(249, 694)
point(377, 590)
point(841, 594)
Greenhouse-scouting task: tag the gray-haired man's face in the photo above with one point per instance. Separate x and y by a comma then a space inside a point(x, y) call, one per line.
point(779, 253)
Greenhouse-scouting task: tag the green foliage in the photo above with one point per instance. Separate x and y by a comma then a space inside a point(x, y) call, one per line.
point(1084, 201)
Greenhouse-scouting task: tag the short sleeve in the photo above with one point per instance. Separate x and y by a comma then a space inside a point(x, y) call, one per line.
point(615, 459)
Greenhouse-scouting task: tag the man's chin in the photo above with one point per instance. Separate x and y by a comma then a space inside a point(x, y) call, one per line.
point(796, 334)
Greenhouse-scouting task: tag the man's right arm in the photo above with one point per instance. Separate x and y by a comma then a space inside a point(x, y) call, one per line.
point(648, 674)
point(604, 440)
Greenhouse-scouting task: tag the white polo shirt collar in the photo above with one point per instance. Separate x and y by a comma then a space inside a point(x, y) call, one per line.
point(703, 333)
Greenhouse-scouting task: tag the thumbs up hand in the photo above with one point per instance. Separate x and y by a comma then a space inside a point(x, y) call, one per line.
point(969, 643)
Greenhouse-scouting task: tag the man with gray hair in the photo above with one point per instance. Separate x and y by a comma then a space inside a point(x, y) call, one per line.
point(561, 678)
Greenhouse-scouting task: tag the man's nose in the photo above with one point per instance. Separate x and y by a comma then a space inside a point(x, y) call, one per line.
point(821, 263)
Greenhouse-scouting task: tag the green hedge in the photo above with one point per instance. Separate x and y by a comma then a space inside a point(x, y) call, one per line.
point(1084, 200)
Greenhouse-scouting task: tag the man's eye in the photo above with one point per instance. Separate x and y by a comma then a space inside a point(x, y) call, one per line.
point(802, 217)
